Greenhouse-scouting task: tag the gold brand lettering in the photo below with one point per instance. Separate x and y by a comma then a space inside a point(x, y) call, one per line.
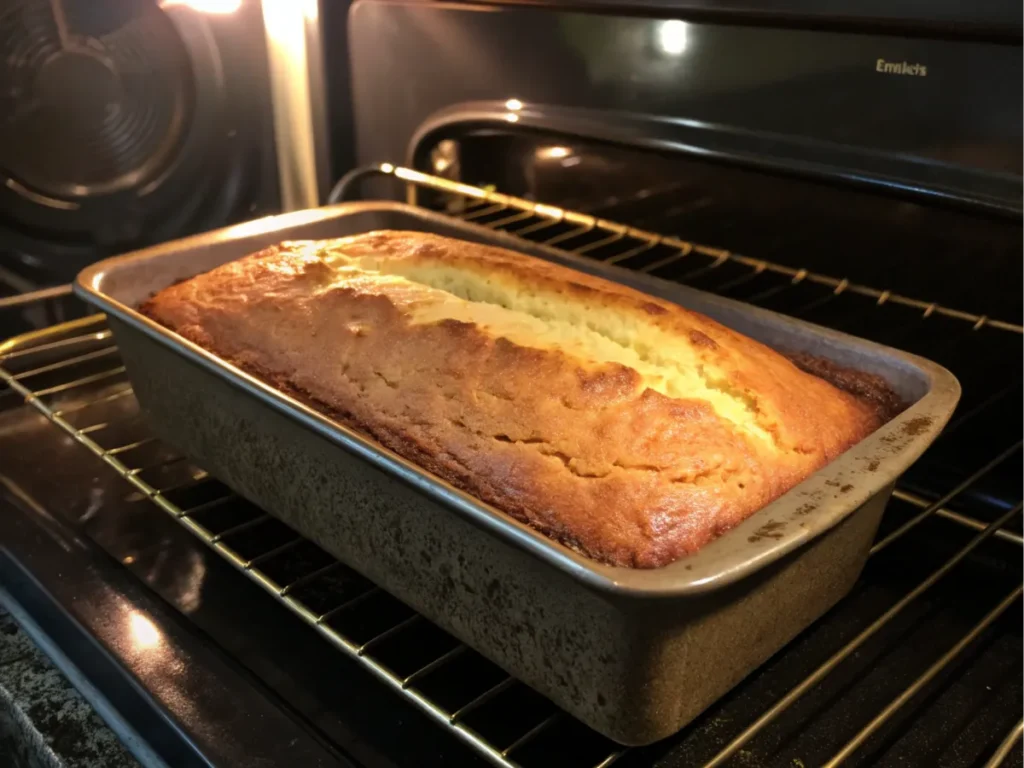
point(901, 68)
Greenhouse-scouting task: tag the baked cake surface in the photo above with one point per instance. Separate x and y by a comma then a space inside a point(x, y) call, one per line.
point(622, 425)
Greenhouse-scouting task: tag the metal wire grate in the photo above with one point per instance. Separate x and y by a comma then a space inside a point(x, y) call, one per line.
point(70, 373)
point(21, 312)
point(615, 243)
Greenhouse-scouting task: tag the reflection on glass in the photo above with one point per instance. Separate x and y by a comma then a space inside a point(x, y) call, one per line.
point(513, 105)
point(554, 153)
point(672, 36)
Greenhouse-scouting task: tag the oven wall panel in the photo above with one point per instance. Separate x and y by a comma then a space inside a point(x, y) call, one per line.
point(909, 113)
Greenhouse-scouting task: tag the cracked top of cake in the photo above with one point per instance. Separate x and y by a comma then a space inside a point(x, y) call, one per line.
point(622, 425)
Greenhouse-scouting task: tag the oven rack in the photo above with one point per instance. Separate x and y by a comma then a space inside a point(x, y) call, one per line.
point(59, 352)
point(25, 311)
point(615, 243)
point(110, 383)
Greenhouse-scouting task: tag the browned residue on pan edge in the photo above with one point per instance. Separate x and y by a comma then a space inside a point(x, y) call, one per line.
point(917, 426)
point(770, 530)
point(868, 387)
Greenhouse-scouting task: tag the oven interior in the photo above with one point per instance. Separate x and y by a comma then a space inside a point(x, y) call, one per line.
point(919, 665)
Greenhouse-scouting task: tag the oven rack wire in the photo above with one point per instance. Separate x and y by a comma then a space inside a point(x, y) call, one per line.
point(59, 353)
point(557, 227)
point(70, 338)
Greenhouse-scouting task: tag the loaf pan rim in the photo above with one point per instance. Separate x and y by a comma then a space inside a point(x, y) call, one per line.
point(797, 517)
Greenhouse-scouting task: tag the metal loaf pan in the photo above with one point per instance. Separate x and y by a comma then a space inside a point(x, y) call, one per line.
point(635, 654)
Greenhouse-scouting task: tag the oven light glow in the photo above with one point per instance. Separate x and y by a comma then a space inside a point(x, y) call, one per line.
point(513, 105)
point(672, 36)
point(555, 153)
point(205, 6)
point(287, 24)
point(145, 635)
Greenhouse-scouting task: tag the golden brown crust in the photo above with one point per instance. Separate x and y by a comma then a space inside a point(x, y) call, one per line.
point(583, 448)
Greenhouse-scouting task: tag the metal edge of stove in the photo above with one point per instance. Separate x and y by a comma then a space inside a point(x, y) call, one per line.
point(73, 601)
point(14, 576)
point(723, 561)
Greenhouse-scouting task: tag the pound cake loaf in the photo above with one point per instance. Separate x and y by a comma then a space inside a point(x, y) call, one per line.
point(622, 425)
